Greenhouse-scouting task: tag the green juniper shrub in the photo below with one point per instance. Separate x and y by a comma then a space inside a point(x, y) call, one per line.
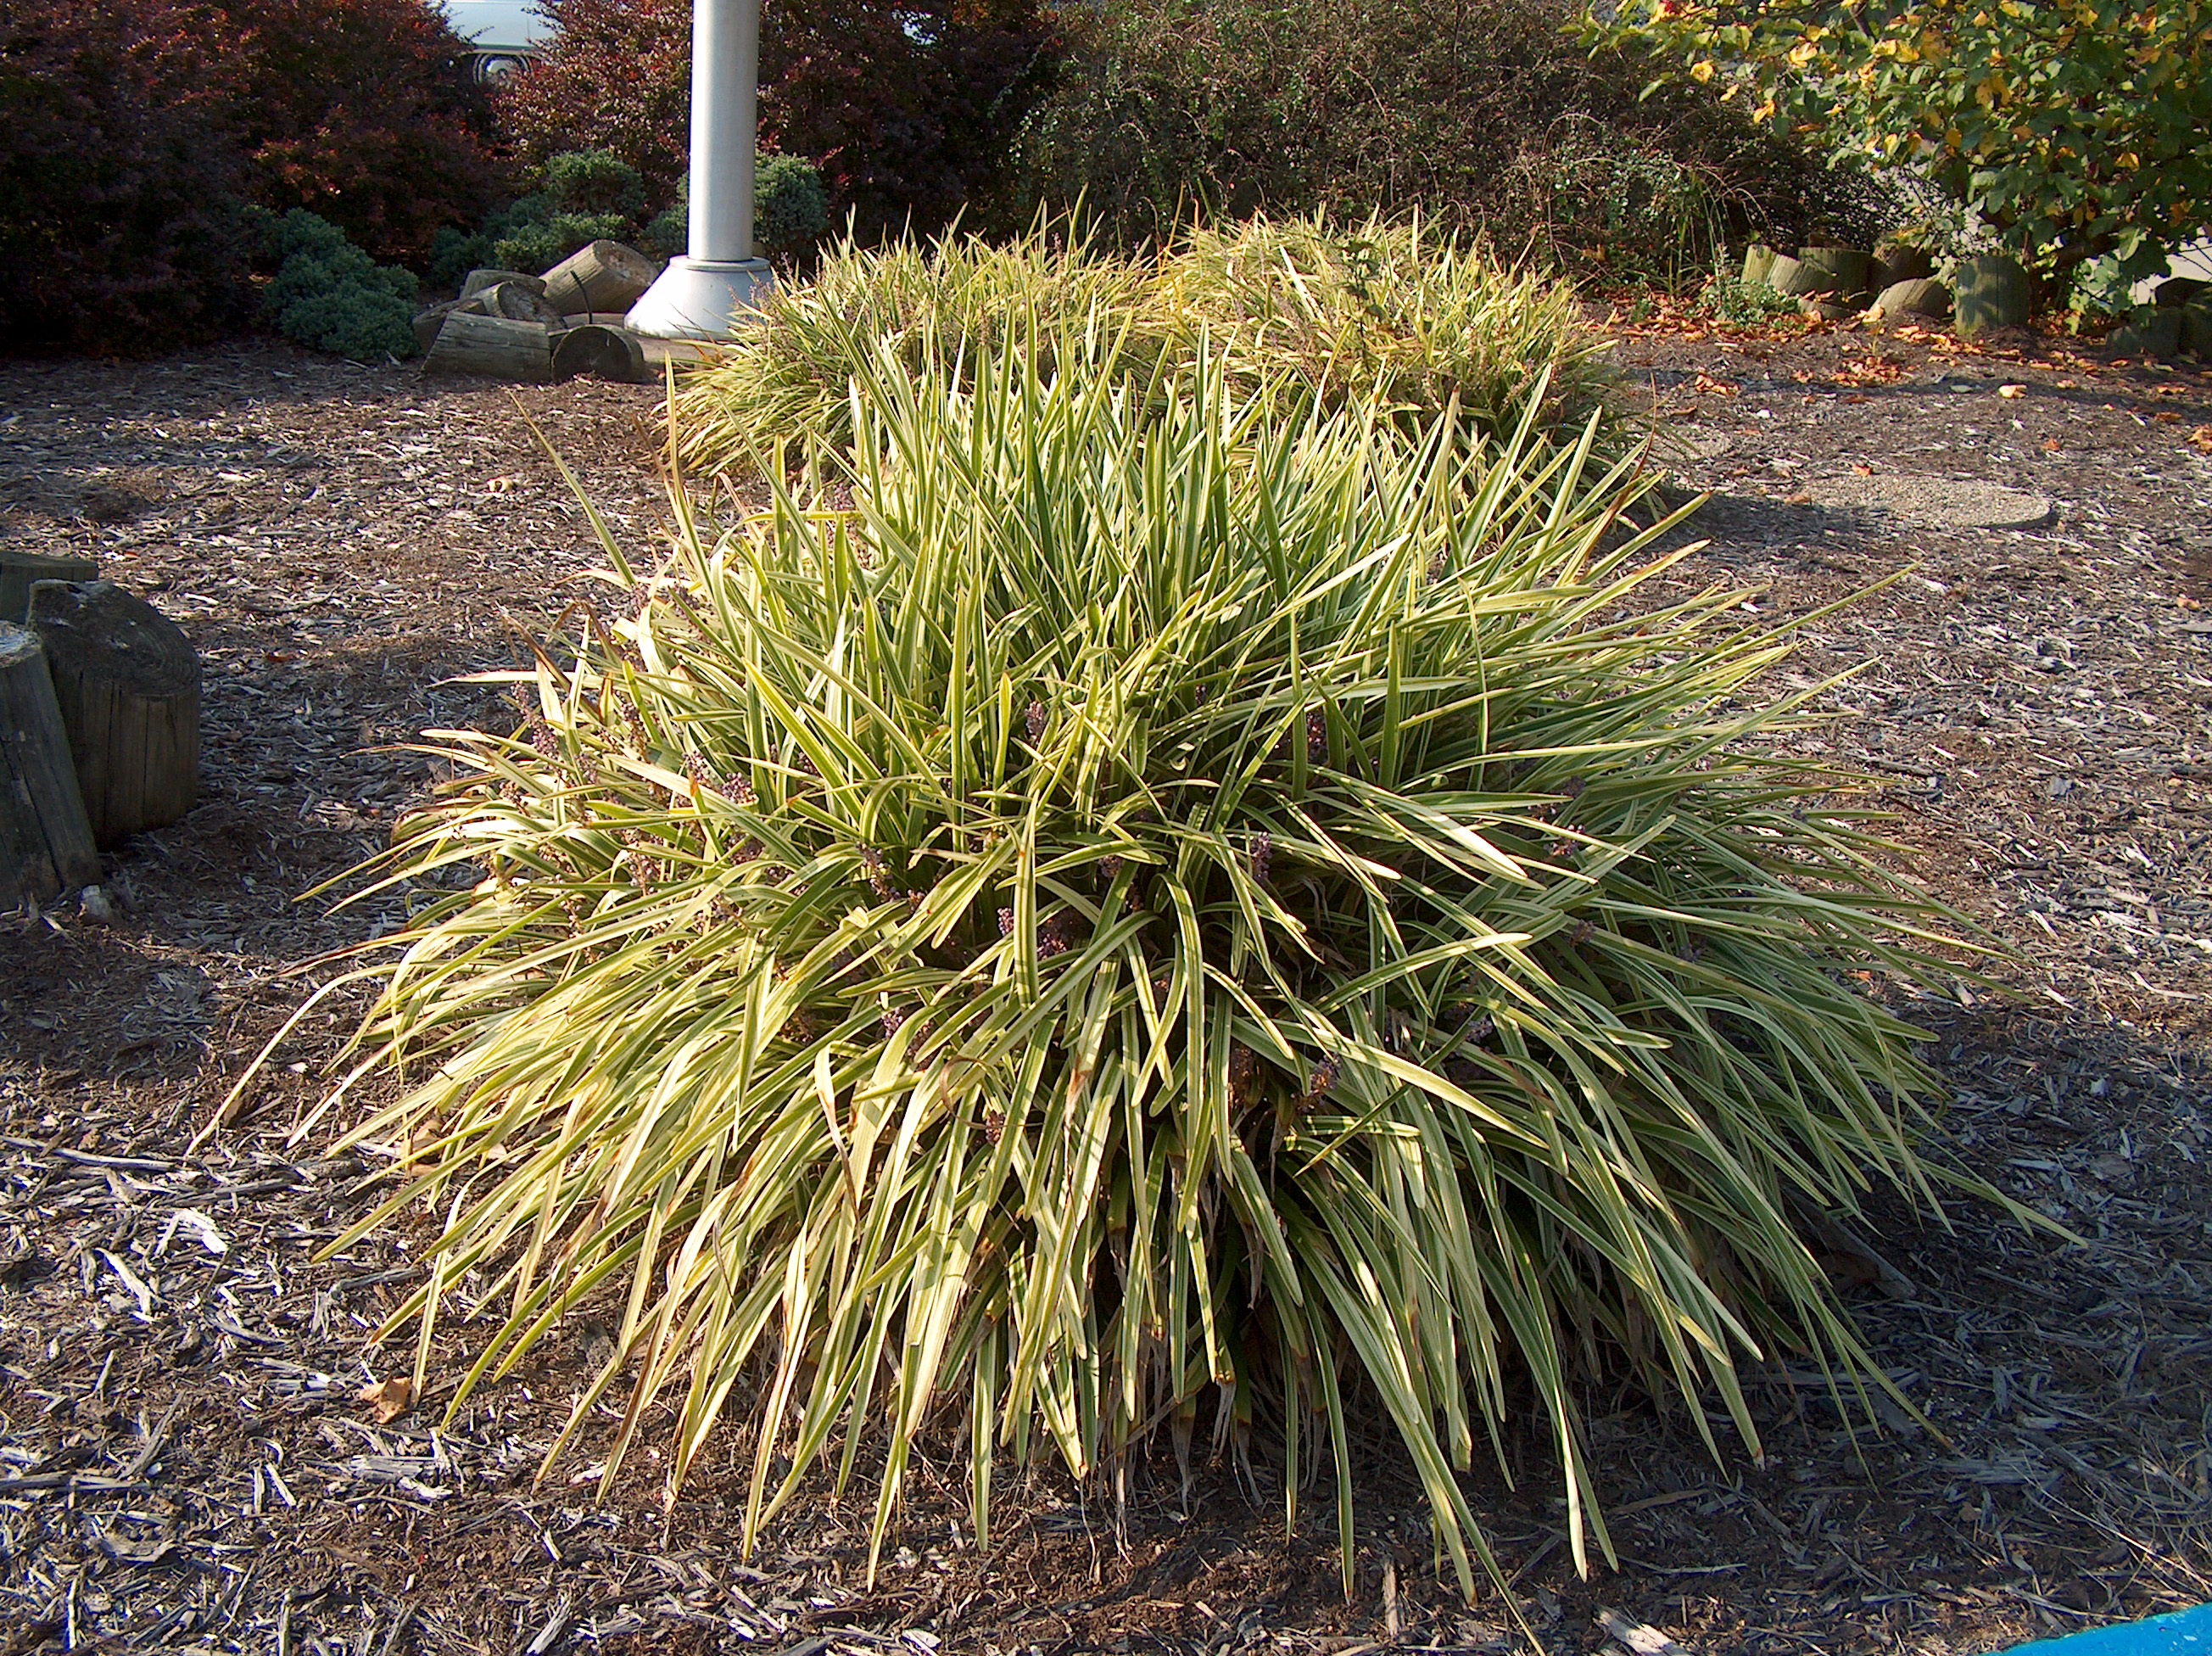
point(454, 254)
point(593, 181)
point(328, 294)
point(540, 244)
point(791, 211)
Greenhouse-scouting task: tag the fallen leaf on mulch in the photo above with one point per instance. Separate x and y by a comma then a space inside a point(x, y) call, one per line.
point(389, 1398)
point(2203, 438)
point(2010, 392)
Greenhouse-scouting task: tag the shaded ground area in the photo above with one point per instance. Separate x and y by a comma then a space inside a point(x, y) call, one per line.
point(185, 1461)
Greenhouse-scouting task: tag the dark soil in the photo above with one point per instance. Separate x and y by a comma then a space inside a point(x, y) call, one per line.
point(185, 1461)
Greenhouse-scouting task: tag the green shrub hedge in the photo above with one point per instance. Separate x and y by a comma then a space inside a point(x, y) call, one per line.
point(1486, 117)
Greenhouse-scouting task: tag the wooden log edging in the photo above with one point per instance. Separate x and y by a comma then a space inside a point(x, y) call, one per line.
point(46, 843)
point(127, 683)
point(18, 569)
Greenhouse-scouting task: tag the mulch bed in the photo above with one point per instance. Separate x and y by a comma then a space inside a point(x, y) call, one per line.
point(185, 1461)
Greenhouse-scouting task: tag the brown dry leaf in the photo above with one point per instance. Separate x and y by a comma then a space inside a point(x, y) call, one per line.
point(2012, 390)
point(389, 1398)
point(1864, 470)
point(2167, 417)
point(2051, 445)
point(1713, 388)
point(2203, 438)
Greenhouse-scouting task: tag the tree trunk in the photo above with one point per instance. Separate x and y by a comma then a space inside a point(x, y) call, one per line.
point(46, 843)
point(492, 346)
point(127, 685)
point(18, 569)
point(602, 353)
point(1992, 292)
point(604, 277)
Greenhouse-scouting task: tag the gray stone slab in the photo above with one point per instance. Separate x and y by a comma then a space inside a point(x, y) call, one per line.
point(1934, 503)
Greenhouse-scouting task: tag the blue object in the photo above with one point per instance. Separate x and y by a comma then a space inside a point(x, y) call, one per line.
point(2185, 1633)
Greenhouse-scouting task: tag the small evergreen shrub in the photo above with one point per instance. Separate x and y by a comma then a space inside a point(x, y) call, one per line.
point(791, 211)
point(594, 182)
point(328, 294)
point(537, 244)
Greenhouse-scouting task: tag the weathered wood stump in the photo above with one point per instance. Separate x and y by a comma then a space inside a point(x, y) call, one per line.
point(478, 280)
point(1992, 292)
point(1921, 296)
point(46, 843)
point(2154, 334)
point(18, 569)
point(1894, 263)
point(430, 320)
point(127, 683)
point(1758, 263)
point(601, 353)
point(517, 303)
point(1792, 278)
point(1841, 272)
point(492, 346)
point(602, 276)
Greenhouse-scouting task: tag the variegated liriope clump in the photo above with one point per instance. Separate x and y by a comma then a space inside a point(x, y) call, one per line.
point(1393, 317)
point(1136, 905)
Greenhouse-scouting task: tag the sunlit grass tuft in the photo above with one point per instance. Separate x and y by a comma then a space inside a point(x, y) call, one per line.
point(1390, 315)
point(1165, 905)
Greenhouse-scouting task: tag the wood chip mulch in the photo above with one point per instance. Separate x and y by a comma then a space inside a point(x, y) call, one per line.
point(200, 1449)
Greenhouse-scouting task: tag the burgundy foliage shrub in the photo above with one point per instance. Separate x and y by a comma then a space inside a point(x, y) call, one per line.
point(363, 112)
point(907, 109)
point(115, 174)
point(616, 76)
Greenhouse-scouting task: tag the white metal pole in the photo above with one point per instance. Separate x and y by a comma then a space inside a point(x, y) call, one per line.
point(725, 104)
point(704, 293)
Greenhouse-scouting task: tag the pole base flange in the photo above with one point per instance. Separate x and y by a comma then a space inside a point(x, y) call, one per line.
point(701, 299)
